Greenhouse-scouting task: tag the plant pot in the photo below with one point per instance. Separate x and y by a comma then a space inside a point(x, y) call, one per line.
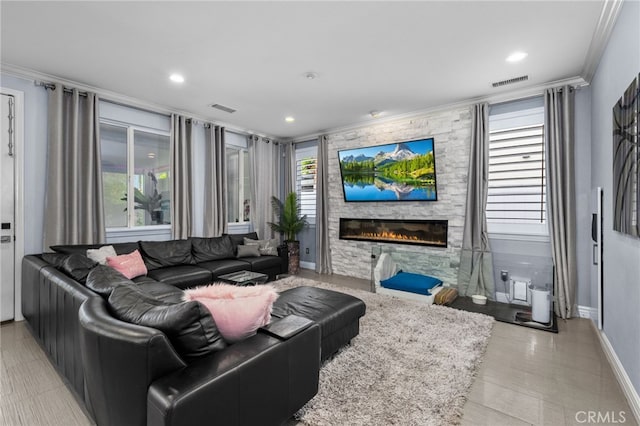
point(293, 249)
point(157, 217)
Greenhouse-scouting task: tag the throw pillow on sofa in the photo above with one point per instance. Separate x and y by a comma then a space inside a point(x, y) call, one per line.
point(103, 279)
point(158, 254)
point(238, 239)
point(100, 255)
point(130, 265)
point(248, 251)
point(266, 247)
point(188, 325)
point(237, 311)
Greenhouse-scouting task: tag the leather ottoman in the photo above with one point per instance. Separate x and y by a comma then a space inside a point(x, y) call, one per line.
point(337, 314)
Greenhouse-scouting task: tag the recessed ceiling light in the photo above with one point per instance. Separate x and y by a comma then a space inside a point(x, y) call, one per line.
point(289, 119)
point(375, 114)
point(176, 78)
point(310, 75)
point(516, 56)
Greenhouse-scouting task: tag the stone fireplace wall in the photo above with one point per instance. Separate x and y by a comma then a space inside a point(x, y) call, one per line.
point(451, 131)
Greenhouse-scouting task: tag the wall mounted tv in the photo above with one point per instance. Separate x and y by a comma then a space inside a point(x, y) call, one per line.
point(403, 171)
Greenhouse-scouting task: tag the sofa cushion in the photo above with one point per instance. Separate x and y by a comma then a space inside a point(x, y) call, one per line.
point(158, 254)
point(120, 248)
point(103, 279)
point(262, 263)
point(188, 325)
point(182, 276)
point(238, 239)
point(205, 249)
point(161, 291)
point(77, 267)
point(248, 251)
point(55, 259)
point(238, 311)
point(227, 266)
point(130, 265)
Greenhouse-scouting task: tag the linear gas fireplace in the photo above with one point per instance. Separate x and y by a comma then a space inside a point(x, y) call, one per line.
point(419, 232)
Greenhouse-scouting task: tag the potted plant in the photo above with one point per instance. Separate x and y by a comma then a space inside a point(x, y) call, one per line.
point(289, 223)
point(150, 203)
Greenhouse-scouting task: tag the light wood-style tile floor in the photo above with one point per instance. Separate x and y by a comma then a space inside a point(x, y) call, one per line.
point(528, 377)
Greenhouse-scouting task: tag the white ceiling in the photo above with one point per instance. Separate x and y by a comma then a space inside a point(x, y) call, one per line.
point(396, 57)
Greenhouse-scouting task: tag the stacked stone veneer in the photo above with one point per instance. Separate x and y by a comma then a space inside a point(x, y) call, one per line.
point(451, 131)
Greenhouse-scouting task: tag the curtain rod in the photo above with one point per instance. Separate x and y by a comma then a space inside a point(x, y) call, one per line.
point(52, 86)
point(205, 123)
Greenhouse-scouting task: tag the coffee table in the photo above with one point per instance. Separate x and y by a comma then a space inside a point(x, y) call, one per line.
point(244, 278)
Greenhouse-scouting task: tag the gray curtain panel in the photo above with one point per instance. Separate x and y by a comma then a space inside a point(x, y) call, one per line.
point(289, 159)
point(263, 157)
point(181, 172)
point(215, 177)
point(561, 207)
point(323, 252)
point(475, 275)
point(74, 200)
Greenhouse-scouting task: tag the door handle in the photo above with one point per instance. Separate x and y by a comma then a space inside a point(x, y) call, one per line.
point(595, 254)
point(5, 239)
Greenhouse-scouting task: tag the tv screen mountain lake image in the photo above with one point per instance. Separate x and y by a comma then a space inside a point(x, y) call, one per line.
point(403, 171)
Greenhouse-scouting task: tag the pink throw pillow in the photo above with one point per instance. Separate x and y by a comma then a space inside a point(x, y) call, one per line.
point(237, 311)
point(130, 265)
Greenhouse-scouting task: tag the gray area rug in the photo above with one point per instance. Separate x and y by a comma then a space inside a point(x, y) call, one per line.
point(412, 364)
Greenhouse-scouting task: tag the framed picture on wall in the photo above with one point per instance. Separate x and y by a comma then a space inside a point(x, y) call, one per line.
point(626, 161)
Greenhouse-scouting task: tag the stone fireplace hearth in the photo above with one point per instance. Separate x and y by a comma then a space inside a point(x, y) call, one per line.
point(417, 232)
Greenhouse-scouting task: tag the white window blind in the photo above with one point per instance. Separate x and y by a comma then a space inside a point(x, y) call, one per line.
point(306, 162)
point(517, 181)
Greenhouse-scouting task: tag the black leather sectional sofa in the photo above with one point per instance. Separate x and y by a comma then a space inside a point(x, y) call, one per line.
point(130, 374)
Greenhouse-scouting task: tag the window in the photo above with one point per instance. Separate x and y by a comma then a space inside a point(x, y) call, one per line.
point(306, 162)
point(238, 185)
point(135, 161)
point(516, 201)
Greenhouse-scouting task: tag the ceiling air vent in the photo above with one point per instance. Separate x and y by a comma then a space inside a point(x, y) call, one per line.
point(223, 108)
point(510, 81)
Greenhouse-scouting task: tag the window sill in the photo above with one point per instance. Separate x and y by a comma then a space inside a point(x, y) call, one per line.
point(542, 238)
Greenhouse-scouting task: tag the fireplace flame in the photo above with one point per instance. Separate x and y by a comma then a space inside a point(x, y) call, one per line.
point(389, 235)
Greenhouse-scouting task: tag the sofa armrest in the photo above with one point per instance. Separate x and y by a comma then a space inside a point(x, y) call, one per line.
point(120, 361)
point(261, 380)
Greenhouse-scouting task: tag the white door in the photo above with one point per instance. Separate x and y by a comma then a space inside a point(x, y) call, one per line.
point(7, 199)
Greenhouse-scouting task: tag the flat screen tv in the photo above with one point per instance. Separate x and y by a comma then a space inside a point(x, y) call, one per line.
point(403, 171)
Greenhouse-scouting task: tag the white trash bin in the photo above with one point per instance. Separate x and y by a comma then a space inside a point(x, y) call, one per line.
point(541, 304)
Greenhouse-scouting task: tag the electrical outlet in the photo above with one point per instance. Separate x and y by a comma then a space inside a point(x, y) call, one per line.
point(504, 275)
point(306, 251)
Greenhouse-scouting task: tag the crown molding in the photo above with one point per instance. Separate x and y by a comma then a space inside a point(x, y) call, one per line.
point(107, 95)
point(606, 22)
point(513, 95)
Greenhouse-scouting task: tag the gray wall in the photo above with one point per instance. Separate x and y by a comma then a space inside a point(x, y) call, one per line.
point(35, 162)
point(584, 207)
point(619, 65)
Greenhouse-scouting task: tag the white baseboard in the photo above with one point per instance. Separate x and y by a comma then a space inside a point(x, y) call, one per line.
point(308, 265)
point(621, 375)
point(588, 312)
